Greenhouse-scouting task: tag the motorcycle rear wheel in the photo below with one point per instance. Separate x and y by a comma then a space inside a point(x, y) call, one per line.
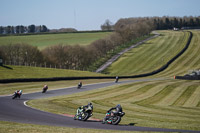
point(116, 120)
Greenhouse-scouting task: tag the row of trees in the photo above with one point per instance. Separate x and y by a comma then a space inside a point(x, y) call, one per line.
point(82, 57)
point(23, 29)
point(162, 23)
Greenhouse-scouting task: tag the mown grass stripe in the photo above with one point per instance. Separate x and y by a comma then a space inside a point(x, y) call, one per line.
point(179, 67)
point(185, 96)
point(139, 91)
point(161, 110)
point(170, 98)
point(193, 99)
point(174, 66)
point(158, 96)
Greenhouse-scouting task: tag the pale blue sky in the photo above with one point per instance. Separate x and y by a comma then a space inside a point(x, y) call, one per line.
point(89, 14)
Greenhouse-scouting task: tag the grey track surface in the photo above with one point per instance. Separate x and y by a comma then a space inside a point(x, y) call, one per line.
point(16, 111)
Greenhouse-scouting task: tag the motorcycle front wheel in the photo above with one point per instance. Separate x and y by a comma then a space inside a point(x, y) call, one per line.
point(104, 121)
point(85, 117)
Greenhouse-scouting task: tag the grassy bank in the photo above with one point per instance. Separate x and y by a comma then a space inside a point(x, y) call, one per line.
point(42, 41)
point(188, 61)
point(164, 104)
point(39, 72)
point(151, 55)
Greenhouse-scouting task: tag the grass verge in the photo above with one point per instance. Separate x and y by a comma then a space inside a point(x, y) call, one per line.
point(12, 127)
point(39, 72)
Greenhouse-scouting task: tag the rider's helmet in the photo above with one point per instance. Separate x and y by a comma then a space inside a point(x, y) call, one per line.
point(89, 103)
point(118, 106)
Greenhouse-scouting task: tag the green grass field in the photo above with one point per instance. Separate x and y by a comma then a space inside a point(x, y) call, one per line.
point(42, 41)
point(11, 127)
point(39, 72)
point(190, 60)
point(151, 55)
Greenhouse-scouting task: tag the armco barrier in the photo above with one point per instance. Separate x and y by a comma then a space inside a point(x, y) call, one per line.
point(103, 77)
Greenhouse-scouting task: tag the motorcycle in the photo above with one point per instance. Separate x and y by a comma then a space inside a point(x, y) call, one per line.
point(16, 94)
point(116, 80)
point(112, 118)
point(79, 86)
point(44, 89)
point(84, 115)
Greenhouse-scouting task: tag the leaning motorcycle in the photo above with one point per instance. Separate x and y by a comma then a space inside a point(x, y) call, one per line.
point(84, 115)
point(79, 86)
point(15, 95)
point(112, 118)
point(44, 89)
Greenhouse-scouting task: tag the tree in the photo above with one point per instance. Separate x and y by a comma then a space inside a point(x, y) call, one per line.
point(107, 25)
point(17, 29)
point(44, 28)
point(31, 28)
point(1, 29)
point(8, 29)
point(12, 30)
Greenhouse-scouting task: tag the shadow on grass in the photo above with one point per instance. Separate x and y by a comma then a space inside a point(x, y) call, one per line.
point(7, 67)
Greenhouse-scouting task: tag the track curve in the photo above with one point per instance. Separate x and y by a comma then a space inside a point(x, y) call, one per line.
point(16, 111)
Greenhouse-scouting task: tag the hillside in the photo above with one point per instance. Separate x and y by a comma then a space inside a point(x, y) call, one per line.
point(151, 55)
point(44, 40)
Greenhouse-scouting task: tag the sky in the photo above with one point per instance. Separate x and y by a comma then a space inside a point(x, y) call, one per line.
point(89, 14)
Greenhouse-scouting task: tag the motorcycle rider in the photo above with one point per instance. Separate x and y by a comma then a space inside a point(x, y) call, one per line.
point(117, 108)
point(79, 112)
point(80, 84)
point(117, 78)
point(89, 106)
point(18, 93)
point(45, 88)
point(81, 109)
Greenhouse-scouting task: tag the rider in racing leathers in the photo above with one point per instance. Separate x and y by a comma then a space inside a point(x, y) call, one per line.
point(117, 109)
point(81, 109)
point(18, 92)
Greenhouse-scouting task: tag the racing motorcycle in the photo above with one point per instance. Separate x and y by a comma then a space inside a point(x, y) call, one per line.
point(83, 114)
point(79, 85)
point(112, 118)
point(17, 94)
point(44, 88)
point(116, 80)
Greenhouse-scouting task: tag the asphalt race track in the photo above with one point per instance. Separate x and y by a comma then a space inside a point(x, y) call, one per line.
point(16, 111)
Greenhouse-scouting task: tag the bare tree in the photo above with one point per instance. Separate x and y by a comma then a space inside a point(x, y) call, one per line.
point(107, 25)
